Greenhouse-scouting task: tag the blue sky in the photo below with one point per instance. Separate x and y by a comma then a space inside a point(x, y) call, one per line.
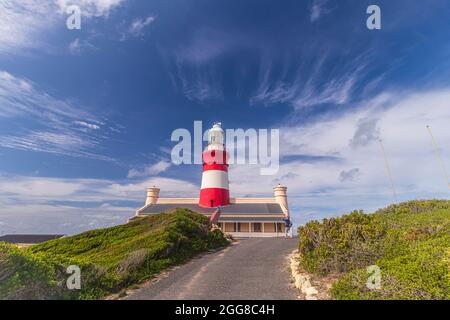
point(86, 115)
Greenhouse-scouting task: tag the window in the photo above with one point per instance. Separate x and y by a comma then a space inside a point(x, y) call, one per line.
point(257, 227)
point(229, 227)
point(238, 227)
point(279, 227)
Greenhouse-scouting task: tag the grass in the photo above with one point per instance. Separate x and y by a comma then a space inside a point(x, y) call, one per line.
point(110, 259)
point(409, 242)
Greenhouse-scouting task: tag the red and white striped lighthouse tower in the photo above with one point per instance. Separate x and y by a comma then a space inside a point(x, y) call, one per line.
point(214, 190)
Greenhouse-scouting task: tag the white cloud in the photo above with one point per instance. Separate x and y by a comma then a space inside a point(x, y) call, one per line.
point(91, 8)
point(58, 126)
point(347, 143)
point(138, 25)
point(20, 97)
point(26, 24)
point(64, 219)
point(150, 170)
point(16, 190)
point(91, 126)
point(45, 188)
point(77, 46)
point(317, 9)
point(57, 205)
point(68, 144)
point(23, 22)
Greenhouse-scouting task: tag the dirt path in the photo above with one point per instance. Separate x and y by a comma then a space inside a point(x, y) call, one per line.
point(250, 269)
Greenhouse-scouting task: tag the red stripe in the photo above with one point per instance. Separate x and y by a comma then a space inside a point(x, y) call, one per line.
point(221, 167)
point(215, 157)
point(213, 197)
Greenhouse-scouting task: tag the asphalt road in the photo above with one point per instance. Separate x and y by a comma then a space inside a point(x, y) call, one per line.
point(251, 269)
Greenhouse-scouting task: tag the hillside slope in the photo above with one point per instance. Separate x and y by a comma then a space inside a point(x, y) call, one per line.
point(409, 242)
point(110, 259)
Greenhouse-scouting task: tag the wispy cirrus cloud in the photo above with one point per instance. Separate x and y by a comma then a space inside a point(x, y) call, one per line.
point(137, 28)
point(87, 125)
point(54, 142)
point(44, 123)
point(26, 24)
point(78, 46)
point(315, 83)
point(317, 9)
point(193, 64)
point(138, 25)
point(197, 83)
point(21, 97)
point(201, 87)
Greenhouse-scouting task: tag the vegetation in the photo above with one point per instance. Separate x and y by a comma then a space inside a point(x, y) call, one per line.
point(110, 259)
point(409, 242)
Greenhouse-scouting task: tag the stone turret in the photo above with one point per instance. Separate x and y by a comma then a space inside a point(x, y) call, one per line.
point(280, 194)
point(152, 195)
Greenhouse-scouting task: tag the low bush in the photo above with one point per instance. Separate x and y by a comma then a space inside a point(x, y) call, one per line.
point(340, 244)
point(110, 259)
point(409, 242)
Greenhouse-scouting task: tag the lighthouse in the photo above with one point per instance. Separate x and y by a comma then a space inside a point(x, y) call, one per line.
point(240, 217)
point(214, 189)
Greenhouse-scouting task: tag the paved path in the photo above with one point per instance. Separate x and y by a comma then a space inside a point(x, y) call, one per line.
point(251, 269)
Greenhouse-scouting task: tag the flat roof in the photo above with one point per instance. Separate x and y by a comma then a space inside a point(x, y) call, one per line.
point(232, 209)
point(29, 238)
point(247, 219)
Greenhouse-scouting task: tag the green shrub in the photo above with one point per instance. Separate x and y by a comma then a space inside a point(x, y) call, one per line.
point(340, 244)
point(110, 259)
point(410, 242)
point(421, 273)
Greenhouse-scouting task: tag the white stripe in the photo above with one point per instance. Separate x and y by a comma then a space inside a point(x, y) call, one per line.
point(215, 146)
point(215, 179)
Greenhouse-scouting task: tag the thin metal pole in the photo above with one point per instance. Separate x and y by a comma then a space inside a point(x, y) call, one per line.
point(388, 169)
point(438, 156)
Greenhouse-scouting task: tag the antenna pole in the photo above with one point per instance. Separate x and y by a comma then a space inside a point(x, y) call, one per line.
point(388, 170)
point(438, 156)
